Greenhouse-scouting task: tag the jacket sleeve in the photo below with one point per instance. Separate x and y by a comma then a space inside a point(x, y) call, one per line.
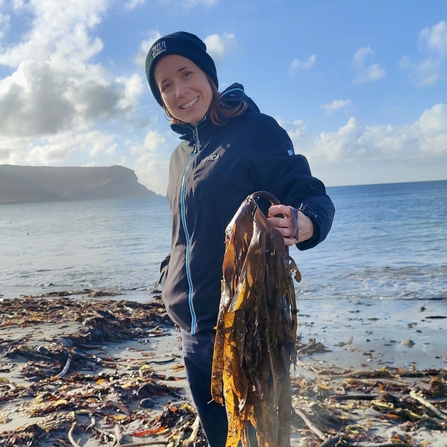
point(163, 270)
point(279, 170)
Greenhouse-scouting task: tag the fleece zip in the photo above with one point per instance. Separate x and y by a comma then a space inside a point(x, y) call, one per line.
point(195, 151)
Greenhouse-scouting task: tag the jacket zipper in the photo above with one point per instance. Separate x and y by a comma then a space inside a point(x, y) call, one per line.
point(194, 152)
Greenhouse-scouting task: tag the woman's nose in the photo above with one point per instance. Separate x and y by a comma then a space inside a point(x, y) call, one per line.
point(181, 89)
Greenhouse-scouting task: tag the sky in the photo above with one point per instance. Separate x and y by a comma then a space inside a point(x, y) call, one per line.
point(360, 86)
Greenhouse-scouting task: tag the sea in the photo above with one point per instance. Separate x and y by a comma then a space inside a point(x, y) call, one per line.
point(388, 241)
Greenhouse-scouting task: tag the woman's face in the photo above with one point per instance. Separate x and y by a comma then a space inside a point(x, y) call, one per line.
point(184, 88)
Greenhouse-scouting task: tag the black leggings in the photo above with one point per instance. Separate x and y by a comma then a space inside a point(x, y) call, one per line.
point(198, 357)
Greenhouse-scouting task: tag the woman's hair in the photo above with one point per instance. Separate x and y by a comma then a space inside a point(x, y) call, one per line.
point(219, 114)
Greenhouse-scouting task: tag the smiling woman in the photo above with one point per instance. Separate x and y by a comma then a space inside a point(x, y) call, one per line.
point(229, 151)
point(185, 89)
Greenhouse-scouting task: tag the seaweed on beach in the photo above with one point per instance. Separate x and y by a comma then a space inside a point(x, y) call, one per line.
point(387, 407)
point(69, 389)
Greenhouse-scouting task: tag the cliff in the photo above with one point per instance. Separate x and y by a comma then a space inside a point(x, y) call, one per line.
point(20, 184)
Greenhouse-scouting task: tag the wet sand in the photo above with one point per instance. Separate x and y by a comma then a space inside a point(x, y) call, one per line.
point(376, 334)
point(131, 384)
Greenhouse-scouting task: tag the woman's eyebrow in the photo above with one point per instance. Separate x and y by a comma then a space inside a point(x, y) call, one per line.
point(179, 70)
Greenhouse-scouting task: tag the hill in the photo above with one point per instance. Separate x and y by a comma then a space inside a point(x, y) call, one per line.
point(24, 184)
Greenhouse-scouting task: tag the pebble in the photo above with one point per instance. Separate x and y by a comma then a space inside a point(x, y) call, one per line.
point(407, 342)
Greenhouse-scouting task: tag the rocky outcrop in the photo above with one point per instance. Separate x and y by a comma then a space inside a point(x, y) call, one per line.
point(24, 184)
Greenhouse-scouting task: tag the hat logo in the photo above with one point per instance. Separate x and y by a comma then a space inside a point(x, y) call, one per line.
point(159, 48)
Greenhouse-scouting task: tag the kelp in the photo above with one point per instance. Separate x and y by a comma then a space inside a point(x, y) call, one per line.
point(256, 329)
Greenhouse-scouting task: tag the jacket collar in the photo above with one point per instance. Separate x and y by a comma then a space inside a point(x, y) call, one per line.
point(230, 97)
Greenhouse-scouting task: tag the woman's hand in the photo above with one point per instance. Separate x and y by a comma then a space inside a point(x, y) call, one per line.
point(294, 226)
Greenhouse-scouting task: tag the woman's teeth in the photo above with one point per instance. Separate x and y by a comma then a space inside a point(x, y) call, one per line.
point(189, 104)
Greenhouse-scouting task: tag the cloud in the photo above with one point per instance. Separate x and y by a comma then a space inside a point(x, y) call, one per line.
point(335, 105)
point(364, 72)
point(425, 73)
point(194, 3)
point(133, 87)
point(302, 64)
point(57, 32)
point(56, 148)
point(435, 37)
point(217, 46)
point(4, 24)
point(54, 86)
point(301, 137)
point(132, 4)
point(152, 160)
point(153, 142)
point(140, 58)
point(428, 72)
point(371, 149)
point(188, 4)
point(42, 98)
point(433, 125)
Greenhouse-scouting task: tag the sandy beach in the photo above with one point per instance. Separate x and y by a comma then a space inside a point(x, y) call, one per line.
point(88, 370)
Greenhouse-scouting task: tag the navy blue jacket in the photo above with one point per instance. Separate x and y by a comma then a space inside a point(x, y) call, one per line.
point(211, 172)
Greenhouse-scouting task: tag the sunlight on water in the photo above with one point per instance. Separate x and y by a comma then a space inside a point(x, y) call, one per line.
point(387, 241)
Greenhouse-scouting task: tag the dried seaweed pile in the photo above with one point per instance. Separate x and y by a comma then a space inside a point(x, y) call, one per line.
point(389, 407)
point(70, 388)
point(104, 320)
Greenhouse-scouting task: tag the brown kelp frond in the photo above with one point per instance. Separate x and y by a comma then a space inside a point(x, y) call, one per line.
point(256, 329)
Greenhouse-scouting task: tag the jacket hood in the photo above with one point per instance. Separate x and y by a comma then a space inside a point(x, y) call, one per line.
point(235, 94)
point(230, 97)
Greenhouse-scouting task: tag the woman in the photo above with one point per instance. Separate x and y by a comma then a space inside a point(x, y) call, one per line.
point(229, 150)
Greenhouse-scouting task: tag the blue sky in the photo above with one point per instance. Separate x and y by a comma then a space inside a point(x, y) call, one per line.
point(361, 86)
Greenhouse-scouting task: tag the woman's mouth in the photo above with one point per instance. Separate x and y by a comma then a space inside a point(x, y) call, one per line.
point(189, 104)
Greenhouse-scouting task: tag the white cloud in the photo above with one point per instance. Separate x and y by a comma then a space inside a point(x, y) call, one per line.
point(4, 24)
point(188, 4)
point(54, 87)
point(41, 98)
point(56, 148)
point(435, 37)
point(217, 46)
point(58, 32)
point(194, 3)
point(374, 154)
point(428, 72)
point(132, 4)
point(152, 143)
point(133, 87)
point(55, 99)
point(335, 105)
point(305, 64)
point(425, 73)
point(60, 147)
point(301, 137)
point(364, 72)
point(152, 160)
point(433, 125)
point(13, 150)
point(140, 57)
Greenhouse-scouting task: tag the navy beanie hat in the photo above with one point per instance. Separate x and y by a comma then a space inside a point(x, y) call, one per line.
point(184, 44)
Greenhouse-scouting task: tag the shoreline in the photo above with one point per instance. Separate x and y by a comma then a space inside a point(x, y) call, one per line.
point(341, 347)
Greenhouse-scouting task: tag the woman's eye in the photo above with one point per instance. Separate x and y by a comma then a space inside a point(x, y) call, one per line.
point(187, 74)
point(166, 87)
